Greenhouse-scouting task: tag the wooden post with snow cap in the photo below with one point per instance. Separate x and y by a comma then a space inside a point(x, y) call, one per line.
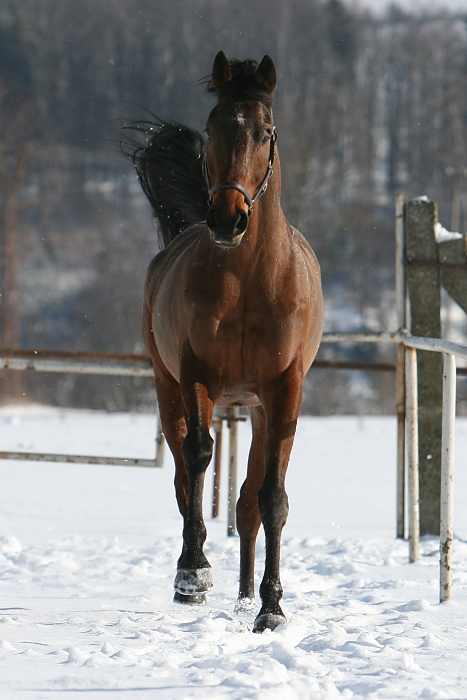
point(447, 478)
point(412, 449)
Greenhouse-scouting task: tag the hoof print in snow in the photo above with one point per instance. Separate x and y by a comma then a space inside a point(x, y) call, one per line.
point(183, 599)
point(268, 621)
point(193, 581)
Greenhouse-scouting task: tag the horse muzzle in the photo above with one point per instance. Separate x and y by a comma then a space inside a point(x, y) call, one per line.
point(226, 229)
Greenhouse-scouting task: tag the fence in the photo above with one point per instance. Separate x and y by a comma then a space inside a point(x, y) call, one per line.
point(133, 365)
point(82, 363)
point(406, 397)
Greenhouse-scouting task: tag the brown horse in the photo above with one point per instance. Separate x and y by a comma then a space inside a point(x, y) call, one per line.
point(233, 315)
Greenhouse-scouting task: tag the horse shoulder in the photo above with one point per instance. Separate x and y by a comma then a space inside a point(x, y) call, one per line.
point(307, 252)
point(298, 277)
point(164, 261)
point(314, 297)
point(160, 293)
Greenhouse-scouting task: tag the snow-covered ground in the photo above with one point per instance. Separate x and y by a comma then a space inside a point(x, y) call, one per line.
point(88, 554)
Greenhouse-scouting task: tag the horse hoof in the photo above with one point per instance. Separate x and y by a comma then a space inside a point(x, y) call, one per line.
point(197, 599)
point(268, 621)
point(193, 581)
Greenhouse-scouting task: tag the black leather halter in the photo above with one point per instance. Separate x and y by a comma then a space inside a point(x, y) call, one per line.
point(232, 185)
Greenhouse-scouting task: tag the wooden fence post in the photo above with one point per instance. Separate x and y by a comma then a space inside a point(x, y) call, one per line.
point(425, 309)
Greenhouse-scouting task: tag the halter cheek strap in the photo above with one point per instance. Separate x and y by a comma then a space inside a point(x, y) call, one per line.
point(232, 185)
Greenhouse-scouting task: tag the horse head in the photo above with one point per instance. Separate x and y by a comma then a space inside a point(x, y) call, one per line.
point(240, 144)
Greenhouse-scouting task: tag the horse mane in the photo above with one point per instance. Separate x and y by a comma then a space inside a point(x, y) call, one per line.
point(243, 85)
point(169, 158)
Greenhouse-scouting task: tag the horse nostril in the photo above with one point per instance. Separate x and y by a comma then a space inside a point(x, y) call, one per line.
point(225, 226)
point(211, 218)
point(242, 221)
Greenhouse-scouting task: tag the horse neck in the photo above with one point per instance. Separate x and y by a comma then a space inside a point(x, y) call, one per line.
point(268, 220)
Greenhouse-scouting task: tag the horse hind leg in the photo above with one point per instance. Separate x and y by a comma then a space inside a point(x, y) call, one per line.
point(248, 519)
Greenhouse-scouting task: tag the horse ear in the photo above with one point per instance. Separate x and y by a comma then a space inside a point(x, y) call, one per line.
point(221, 72)
point(266, 74)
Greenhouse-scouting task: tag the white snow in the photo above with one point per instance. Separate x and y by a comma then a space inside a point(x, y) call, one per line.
point(442, 234)
point(88, 556)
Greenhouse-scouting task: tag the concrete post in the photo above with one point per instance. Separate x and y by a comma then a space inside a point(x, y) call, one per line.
point(425, 308)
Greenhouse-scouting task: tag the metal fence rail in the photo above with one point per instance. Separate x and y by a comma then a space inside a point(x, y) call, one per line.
point(140, 365)
point(117, 364)
point(135, 365)
point(77, 362)
point(79, 459)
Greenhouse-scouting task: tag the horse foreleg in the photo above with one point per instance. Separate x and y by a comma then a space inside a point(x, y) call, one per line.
point(281, 402)
point(193, 569)
point(175, 431)
point(248, 520)
point(174, 428)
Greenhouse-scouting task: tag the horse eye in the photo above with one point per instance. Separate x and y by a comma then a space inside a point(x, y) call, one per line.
point(265, 139)
point(208, 133)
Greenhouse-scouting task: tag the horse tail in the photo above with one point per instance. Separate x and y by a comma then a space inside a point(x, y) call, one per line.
point(169, 158)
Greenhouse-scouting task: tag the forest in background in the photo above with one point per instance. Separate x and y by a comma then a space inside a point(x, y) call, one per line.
point(364, 108)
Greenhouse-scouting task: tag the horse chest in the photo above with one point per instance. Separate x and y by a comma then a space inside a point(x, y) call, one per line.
point(244, 344)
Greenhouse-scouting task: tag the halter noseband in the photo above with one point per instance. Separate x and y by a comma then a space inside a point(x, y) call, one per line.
point(232, 185)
